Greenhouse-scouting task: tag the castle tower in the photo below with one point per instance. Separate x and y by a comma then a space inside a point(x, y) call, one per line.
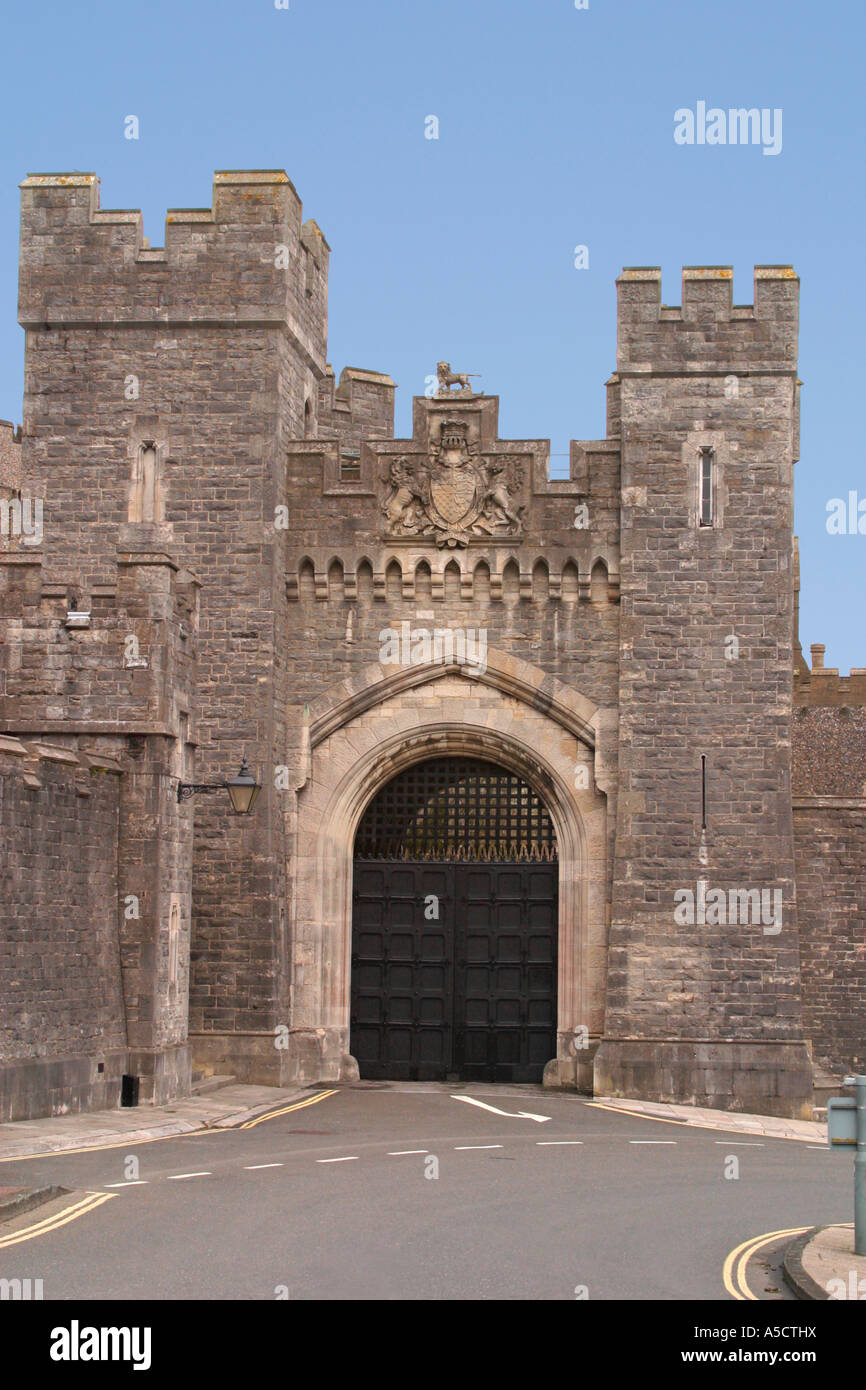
point(162, 385)
point(701, 1007)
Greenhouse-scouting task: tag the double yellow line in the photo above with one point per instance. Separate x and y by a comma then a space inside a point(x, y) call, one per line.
point(98, 1148)
point(286, 1109)
point(134, 1140)
point(734, 1269)
point(89, 1202)
point(637, 1115)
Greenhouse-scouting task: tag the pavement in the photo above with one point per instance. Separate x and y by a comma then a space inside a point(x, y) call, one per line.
point(768, 1126)
point(821, 1264)
point(16, 1201)
point(99, 1129)
point(227, 1107)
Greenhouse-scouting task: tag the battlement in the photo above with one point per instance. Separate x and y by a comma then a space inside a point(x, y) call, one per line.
point(823, 685)
point(390, 518)
point(360, 406)
point(707, 332)
point(10, 459)
point(248, 259)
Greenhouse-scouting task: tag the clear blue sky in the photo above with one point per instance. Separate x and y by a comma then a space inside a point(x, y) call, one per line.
point(556, 129)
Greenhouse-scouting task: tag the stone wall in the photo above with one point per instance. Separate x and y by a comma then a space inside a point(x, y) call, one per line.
point(541, 594)
point(830, 846)
point(62, 1009)
point(105, 688)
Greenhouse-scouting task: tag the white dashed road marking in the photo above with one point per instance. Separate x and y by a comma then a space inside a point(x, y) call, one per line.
point(459, 1148)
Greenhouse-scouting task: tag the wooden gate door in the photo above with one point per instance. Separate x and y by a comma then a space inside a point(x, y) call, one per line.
point(454, 927)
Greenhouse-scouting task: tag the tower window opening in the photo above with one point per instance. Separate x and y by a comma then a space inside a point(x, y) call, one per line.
point(705, 488)
point(703, 791)
point(350, 465)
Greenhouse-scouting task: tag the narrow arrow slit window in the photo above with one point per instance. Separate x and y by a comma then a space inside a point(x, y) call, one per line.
point(705, 487)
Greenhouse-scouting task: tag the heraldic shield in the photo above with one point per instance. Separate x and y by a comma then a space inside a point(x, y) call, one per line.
point(456, 483)
point(452, 494)
point(455, 493)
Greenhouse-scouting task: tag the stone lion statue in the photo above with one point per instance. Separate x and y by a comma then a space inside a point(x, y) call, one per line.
point(447, 378)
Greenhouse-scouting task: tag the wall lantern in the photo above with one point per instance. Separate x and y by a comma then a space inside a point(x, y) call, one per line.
point(243, 790)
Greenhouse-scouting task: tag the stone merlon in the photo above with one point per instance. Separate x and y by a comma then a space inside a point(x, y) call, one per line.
point(248, 260)
point(708, 332)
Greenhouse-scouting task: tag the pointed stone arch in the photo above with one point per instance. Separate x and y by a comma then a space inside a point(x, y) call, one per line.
point(423, 582)
point(364, 580)
point(570, 584)
point(336, 582)
point(481, 588)
point(306, 579)
point(511, 581)
point(598, 581)
point(451, 581)
point(394, 580)
point(509, 674)
point(372, 726)
point(540, 581)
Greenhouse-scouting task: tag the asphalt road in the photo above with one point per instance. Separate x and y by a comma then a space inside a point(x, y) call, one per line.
point(390, 1192)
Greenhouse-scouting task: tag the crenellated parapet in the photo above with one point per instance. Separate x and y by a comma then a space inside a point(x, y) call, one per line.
point(453, 511)
point(360, 406)
point(247, 260)
point(823, 685)
point(10, 461)
point(707, 332)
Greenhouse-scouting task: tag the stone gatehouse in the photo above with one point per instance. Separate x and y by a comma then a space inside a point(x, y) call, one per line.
point(548, 791)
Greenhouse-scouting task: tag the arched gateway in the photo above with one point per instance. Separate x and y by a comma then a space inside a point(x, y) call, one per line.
point(454, 927)
point(377, 743)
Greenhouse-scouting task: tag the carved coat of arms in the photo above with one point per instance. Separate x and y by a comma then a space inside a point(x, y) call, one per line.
point(453, 494)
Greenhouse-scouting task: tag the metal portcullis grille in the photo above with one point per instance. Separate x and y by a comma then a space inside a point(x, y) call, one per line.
point(458, 809)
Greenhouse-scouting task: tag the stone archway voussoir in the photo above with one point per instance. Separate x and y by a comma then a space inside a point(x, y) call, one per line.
point(374, 685)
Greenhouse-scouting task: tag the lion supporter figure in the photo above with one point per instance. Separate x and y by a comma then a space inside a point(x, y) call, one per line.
point(447, 379)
